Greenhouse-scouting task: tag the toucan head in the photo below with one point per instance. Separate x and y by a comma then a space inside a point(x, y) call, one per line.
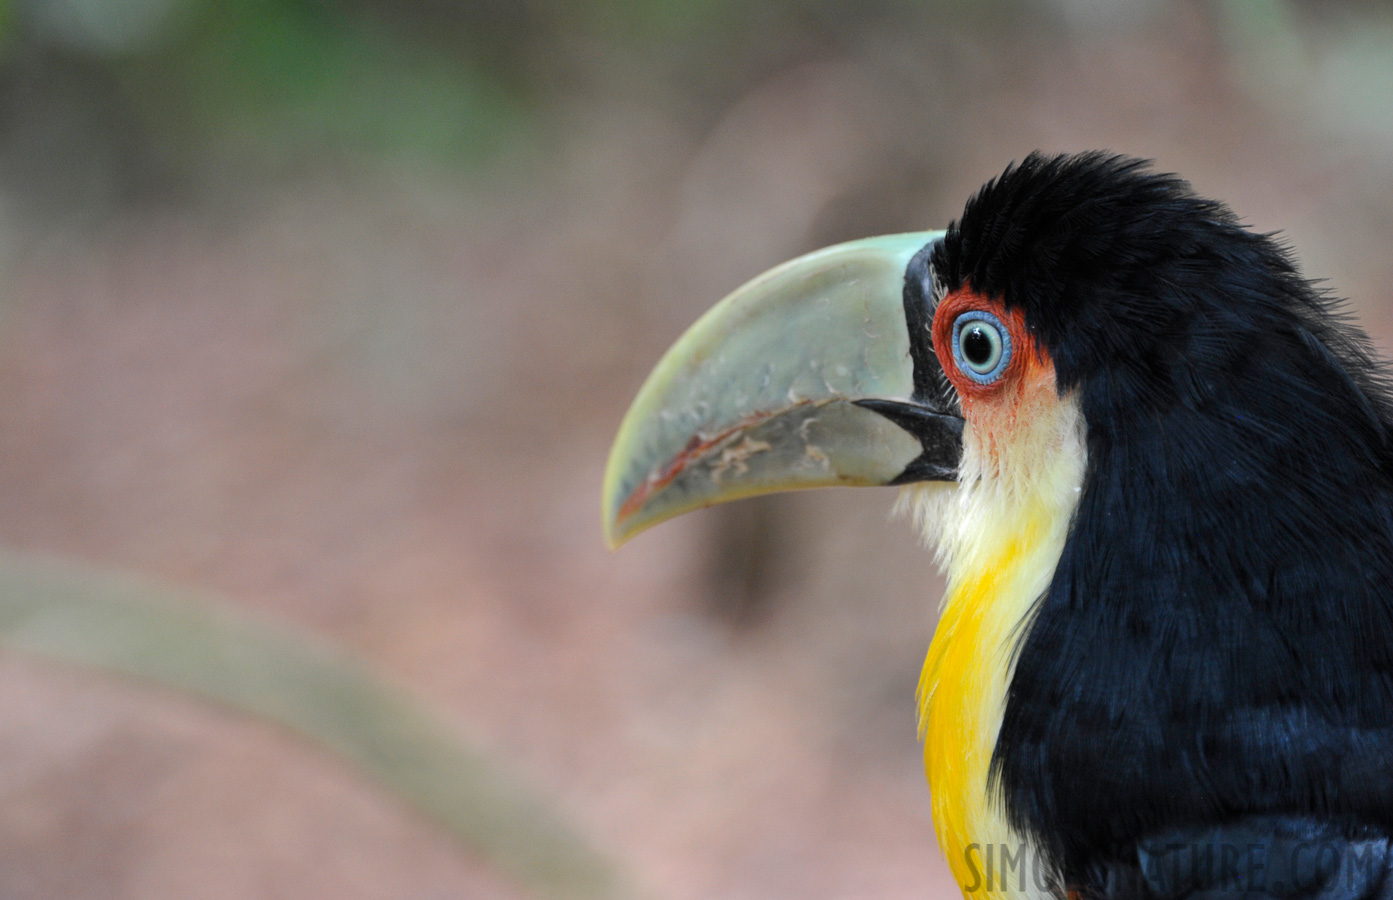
point(1078, 302)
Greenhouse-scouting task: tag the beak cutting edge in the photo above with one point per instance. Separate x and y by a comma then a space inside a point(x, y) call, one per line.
point(804, 377)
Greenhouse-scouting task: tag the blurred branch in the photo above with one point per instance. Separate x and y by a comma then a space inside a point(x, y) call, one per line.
point(214, 652)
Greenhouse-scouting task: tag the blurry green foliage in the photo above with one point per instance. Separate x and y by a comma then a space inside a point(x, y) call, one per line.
point(448, 81)
point(275, 76)
point(264, 82)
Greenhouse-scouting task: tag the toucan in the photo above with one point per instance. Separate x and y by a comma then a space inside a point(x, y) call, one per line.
point(1156, 463)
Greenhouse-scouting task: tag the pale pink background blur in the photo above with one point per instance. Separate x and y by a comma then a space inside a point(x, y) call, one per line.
point(370, 393)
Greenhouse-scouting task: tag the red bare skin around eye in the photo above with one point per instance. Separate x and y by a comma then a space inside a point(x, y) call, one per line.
point(993, 409)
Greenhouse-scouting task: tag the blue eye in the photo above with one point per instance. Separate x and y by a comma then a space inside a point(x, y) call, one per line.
point(981, 346)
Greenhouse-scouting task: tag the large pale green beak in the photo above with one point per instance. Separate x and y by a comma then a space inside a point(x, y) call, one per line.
point(808, 376)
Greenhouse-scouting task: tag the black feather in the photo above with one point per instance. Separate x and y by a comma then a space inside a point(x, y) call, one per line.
point(1217, 640)
point(1258, 858)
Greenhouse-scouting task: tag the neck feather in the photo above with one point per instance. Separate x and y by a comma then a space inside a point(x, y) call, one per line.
point(999, 532)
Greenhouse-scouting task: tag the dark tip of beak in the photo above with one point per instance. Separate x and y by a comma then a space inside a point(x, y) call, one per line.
point(940, 434)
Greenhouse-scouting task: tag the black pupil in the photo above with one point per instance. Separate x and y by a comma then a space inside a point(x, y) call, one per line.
point(977, 347)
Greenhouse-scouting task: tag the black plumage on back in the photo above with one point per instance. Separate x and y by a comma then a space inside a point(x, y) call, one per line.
point(1216, 646)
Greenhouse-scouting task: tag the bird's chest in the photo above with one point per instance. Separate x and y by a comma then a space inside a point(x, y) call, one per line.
point(962, 694)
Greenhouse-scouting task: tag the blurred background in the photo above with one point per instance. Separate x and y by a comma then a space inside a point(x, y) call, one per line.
point(327, 310)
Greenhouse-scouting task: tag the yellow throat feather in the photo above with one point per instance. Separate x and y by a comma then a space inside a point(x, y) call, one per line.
point(999, 533)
